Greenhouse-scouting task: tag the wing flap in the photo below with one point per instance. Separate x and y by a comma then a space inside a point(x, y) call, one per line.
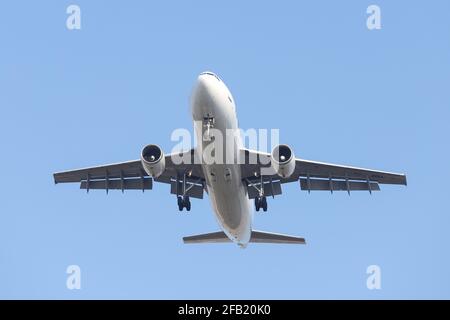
point(337, 185)
point(130, 175)
point(253, 161)
point(270, 189)
point(193, 189)
point(125, 184)
point(325, 170)
point(129, 169)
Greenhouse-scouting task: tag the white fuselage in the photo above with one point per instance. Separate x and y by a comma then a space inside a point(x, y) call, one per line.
point(213, 103)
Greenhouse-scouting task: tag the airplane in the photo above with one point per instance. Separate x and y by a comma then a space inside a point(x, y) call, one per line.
point(232, 186)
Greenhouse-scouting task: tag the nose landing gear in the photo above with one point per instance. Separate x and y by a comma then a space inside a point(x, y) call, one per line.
point(208, 123)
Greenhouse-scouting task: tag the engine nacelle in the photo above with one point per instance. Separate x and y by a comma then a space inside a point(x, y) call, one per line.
point(283, 160)
point(153, 160)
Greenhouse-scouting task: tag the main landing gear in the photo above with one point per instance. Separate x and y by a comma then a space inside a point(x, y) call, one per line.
point(182, 190)
point(261, 202)
point(184, 202)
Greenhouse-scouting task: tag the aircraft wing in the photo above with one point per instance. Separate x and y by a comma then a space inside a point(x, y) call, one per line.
point(130, 175)
point(314, 175)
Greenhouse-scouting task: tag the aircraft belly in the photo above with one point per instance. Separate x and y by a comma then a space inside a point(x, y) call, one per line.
point(227, 193)
point(231, 206)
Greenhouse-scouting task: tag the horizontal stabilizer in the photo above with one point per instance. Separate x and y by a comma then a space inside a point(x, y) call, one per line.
point(269, 237)
point(213, 237)
point(256, 237)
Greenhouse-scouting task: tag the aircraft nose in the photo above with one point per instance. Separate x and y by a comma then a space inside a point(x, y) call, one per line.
point(204, 82)
point(205, 94)
point(203, 90)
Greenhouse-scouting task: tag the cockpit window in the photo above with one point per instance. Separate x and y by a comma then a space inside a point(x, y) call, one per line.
point(211, 74)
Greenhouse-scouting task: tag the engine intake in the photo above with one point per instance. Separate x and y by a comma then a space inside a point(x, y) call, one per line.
point(153, 160)
point(283, 160)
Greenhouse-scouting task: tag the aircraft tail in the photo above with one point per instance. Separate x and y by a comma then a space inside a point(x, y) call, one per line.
point(256, 237)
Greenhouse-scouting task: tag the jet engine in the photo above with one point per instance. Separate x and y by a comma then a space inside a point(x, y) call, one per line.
point(153, 160)
point(283, 160)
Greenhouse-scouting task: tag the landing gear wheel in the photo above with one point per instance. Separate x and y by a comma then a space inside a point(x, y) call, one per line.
point(180, 203)
point(187, 203)
point(264, 204)
point(257, 203)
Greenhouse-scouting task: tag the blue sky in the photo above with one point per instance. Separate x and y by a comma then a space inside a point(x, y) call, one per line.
point(338, 92)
